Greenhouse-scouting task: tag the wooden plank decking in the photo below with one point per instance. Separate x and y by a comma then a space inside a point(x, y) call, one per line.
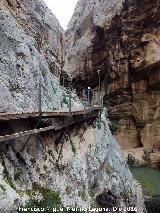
point(56, 113)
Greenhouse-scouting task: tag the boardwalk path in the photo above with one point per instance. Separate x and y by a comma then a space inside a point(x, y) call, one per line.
point(56, 113)
point(76, 115)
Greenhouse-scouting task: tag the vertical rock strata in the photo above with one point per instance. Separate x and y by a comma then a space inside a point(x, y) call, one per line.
point(121, 38)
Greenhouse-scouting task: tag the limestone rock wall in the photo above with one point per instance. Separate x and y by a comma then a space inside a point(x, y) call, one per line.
point(121, 38)
point(83, 163)
point(30, 52)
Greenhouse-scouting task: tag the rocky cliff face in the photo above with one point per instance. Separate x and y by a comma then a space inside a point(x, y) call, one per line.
point(84, 164)
point(30, 53)
point(81, 165)
point(121, 38)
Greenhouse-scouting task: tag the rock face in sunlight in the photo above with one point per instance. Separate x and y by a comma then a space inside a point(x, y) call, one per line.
point(122, 39)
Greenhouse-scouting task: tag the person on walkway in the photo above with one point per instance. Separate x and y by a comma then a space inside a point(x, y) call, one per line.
point(89, 95)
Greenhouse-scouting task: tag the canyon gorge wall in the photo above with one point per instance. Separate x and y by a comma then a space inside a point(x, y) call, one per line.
point(30, 53)
point(81, 165)
point(120, 38)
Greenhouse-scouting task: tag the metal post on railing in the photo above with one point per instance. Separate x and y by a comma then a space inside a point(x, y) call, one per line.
point(63, 80)
point(102, 105)
point(100, 116)
point(40, 97)
point(70, 102)
point(89, 96)
point(84, 99)
point(99, 86)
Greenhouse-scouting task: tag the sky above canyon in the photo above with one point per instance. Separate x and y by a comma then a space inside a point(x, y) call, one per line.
point(62, 9)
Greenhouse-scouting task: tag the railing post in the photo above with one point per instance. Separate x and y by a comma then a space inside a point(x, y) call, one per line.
point(99, 89)
point(63, 80)
point(102, 101)
point(70, 103)
point(89, 96)
point(40, 98)
point(99, 86)
point(84, 99)
point(100, 115)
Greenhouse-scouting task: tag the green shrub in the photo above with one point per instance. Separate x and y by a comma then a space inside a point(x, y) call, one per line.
point(2, 188)
point(61, 167)
point(14, 87)
point(73, 148)
point(94, 126)
point(114, 126)
point(64, 101)
point(9, 181)
point(97, 124)
point(49, 201)
point(50, 152)
point(17, 174)
point(44, 72)
point(153, 204)
point(82, 194)
point(94, 204)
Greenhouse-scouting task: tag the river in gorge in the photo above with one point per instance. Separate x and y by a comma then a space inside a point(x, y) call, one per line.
point(149, 179)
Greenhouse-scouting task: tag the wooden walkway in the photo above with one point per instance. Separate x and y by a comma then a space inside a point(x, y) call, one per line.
point(79, 114)
point(56, 113)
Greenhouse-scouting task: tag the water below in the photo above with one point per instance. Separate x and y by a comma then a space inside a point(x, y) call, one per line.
point(148, 178)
